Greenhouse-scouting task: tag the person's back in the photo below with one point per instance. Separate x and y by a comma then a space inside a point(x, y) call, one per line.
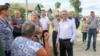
point(24, 47)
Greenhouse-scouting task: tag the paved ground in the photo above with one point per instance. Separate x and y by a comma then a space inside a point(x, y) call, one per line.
point(79, 47)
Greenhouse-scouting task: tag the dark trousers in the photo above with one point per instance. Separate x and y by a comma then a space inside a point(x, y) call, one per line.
point(66, 47)
point(7, 53)
point(44, 31)
point(84, 36)
point(54, 36)
point(92, 32)
point(15, 34)
point(1, 48)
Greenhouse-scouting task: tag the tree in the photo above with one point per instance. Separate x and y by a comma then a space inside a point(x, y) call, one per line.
point(70, 13)
point(41, 5)
point(76, 4)
point(17, 7)
point(57, 5)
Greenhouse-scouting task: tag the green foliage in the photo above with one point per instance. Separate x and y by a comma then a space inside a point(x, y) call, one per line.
point(70, 13)
point(38, 9)
point(17, 7)
point(76, 4)
point(51, 16)
point(57, 5)
point(41, 5)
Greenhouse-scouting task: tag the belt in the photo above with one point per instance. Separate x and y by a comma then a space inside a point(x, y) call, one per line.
point(65, 39)
point(92, 29)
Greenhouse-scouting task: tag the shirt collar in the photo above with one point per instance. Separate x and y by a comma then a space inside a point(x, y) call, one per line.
point(43, 17)
point(65, 20)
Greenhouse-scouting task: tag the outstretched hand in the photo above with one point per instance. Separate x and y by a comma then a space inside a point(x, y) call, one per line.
point(46, 36)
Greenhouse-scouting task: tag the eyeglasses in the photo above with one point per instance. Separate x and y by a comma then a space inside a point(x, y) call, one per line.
point(57, 15)
point(64, 14)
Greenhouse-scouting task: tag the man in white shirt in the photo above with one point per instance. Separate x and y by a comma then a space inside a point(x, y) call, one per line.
point(44, 20)
point(66, 35)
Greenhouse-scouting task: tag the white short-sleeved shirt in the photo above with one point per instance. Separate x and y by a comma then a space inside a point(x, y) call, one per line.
point(44, 22)
point(24, 47)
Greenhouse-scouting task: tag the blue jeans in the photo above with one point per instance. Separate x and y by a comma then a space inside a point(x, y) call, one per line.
point(92, 32)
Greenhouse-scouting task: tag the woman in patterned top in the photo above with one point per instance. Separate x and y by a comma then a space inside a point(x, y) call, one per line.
point(25, 45)
point(6, 30)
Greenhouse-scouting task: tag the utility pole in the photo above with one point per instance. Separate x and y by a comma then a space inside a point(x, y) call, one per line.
point(26, 9)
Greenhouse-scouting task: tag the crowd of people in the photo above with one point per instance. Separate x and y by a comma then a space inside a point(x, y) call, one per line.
point(19, 37)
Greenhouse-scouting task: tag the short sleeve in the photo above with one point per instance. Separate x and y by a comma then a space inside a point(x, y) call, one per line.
point(48, 20)
point(40, 25)
point(35, 46)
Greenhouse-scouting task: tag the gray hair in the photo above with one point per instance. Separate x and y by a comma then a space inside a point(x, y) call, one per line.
point(64, 11)
point(28, 28)
point(34, 12)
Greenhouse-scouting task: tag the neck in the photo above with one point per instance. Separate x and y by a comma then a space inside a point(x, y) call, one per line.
point(28, 37)
point(18, 18)
point(92, 16)
point(58, 19)
point(43, 15)
point(73, 16)
point(64, 19)
point(34, 21)
point(3, 17)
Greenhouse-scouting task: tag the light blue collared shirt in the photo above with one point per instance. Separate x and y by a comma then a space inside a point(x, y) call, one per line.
point(66, 30)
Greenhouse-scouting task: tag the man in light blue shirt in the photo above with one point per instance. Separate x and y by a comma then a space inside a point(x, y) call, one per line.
point(66, 35)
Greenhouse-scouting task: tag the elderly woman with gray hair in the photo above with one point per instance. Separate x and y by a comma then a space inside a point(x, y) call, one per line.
point(39, 30)
point(25, 45)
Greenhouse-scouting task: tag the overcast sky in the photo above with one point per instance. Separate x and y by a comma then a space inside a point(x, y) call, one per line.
point(87, 5)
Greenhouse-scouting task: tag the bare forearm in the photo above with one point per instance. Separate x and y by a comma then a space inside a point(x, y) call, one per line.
point(47, 48)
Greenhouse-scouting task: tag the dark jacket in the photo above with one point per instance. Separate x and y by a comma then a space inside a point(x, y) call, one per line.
point(76, 22)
